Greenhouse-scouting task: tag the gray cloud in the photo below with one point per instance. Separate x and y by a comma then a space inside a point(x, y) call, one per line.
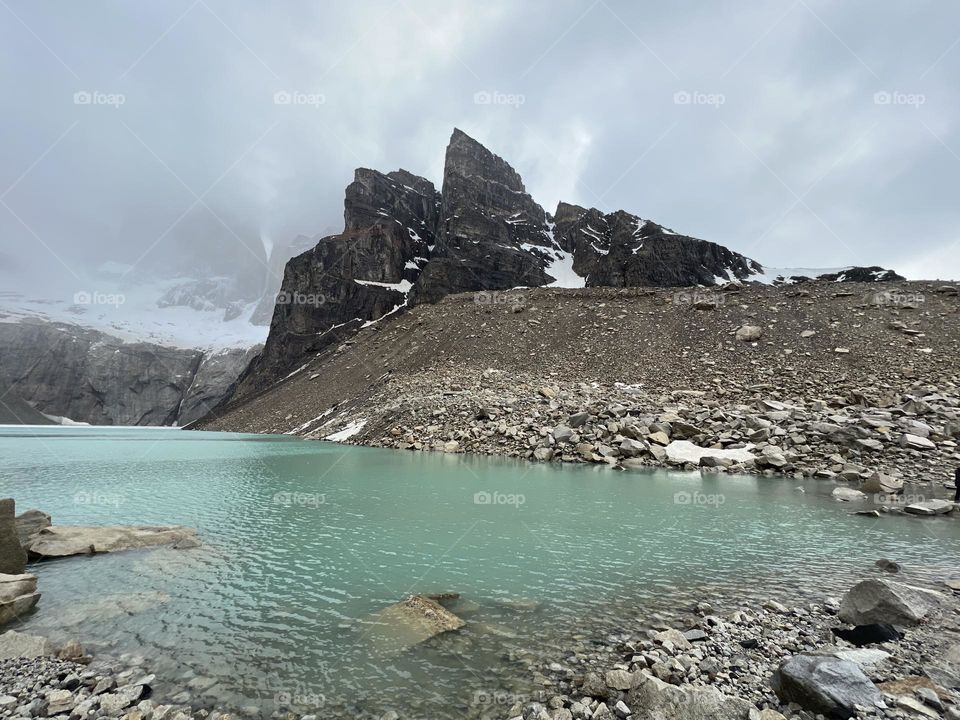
point(804, 134)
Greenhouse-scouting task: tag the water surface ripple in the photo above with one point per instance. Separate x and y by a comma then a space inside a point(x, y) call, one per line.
point(303, 540)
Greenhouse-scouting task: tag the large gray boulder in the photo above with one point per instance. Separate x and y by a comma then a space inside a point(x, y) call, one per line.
point(824, 684)
point(18, 595)
point(21, 645)
point(883, 601)
point(13, 559)
point(653, 699)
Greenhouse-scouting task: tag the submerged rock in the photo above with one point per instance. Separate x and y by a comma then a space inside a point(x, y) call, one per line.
point(824, 684)
point(883, 601)
point(64, 541)
point(408, 623)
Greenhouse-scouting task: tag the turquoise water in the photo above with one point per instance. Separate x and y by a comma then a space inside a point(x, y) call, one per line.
point(303, 540)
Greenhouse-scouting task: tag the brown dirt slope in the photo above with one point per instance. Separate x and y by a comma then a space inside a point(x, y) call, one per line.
point(658, 339)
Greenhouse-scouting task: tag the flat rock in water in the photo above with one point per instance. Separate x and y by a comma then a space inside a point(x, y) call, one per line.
point(21, 645)
point(930, 507)
point(64, 541)
point(824, 684)
point(408, 623)
point(845, 494)
point(884, 601)
point(18, 595)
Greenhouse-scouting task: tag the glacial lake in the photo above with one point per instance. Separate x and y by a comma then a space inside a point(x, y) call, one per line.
point(303, 540)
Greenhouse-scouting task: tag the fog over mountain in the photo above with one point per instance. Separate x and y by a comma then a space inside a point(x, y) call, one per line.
point(194, 137)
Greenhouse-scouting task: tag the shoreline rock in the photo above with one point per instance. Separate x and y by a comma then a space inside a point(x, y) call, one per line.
point(13, 558)
point(65, 541)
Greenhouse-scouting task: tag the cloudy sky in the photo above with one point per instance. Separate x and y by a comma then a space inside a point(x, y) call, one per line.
point(807, 133)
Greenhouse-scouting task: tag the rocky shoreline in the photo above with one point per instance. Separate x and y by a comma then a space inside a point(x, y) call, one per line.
point(769, 661)
point(761, 660)
point(816, 380)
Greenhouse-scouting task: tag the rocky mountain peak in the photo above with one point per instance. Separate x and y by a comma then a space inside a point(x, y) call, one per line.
point(467, 158)
point(404, 243)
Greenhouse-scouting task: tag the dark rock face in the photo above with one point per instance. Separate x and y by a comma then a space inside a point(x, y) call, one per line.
point(13, 558)
point(623, 250)
point(404, 243)
point(359, 275)
point(215, 378)
point(863, 274)
point(14, 410)
point(88, 376)
point(491, 234)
